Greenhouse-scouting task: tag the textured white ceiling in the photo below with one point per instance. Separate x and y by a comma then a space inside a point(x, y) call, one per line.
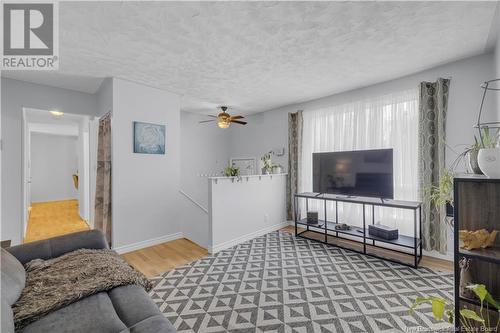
point(256, 56)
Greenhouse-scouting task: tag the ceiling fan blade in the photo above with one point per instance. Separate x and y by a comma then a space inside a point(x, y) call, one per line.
point(237, 117)
point(206, 121)
point(239, 122)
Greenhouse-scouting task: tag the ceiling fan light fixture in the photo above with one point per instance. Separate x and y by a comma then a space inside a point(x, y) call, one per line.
point(223, 120)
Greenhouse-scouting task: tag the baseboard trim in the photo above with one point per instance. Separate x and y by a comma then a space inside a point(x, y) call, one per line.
point(148, 243)
point(247, 237)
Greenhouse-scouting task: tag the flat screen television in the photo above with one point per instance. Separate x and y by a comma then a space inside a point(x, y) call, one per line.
point(366, 173)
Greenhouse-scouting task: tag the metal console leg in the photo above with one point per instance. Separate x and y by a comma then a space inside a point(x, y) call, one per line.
point(415, 238)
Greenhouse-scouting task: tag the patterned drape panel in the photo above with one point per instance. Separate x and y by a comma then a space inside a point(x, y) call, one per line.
point(294, 152)
point(433, 104)
point(103, 180)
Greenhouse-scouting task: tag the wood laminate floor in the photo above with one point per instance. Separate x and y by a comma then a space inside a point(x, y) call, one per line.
point(53, 218)
point(158, 259)
point(155, 260)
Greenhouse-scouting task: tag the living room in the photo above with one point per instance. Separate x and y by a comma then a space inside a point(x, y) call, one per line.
point(281, 166)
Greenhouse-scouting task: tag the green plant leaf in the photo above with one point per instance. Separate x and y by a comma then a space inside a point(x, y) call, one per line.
point(479, 290)
point(438, 305)
point(483, 294)
point(450, 314)
point(469, 314)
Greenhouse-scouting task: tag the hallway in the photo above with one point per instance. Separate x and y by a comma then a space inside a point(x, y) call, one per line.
point(54, 218)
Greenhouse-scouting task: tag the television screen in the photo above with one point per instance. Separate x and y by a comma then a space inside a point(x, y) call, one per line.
point(367, 173)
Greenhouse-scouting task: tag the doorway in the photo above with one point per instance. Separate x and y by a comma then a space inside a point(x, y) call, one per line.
point(57, 174)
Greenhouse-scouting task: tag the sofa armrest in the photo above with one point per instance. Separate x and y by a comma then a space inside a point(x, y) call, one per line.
point(57, 246)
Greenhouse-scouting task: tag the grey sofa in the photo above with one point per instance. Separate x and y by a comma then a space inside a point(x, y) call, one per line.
point(122, 309)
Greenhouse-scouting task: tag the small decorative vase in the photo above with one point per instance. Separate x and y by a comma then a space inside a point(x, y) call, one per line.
point(473, 164)
point(265, 171)
point(489, 161)
point(465, 278)
point(277, 170)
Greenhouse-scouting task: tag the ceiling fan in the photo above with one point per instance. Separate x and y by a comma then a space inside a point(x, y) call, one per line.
point(224, 119)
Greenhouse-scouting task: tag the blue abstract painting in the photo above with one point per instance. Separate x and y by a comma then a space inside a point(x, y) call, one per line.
point(149, 138)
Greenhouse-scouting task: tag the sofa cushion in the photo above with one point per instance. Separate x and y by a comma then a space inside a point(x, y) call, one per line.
point(155, 324)
point(7, 318)
point(132, 304)
point(13, 277)
point(91, 314)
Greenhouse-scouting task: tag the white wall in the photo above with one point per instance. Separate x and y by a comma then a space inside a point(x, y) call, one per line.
point(264, 132)
point(53, 163)
point(144, 187)
point(14, 96)
point(497, 64)
point(240, 211)
point(105, 97)
point(204, 152)
point(269, 129)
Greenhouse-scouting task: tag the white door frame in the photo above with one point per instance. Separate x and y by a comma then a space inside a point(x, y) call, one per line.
point(90, 161)
point(25, 175)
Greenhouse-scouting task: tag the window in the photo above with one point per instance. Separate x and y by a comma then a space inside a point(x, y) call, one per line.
point(389, 121)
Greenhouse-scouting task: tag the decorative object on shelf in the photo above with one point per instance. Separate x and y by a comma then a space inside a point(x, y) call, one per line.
point(149, 138)
point(342, 226)
point(277, 169)
point(489, 162)
point(231, 171)
point(224, 119)
point(383, 231)
point(477, 239)
point(472, 157)
point(465, 278)
point(75, 180)
point(267, 166)
point(312, 217)
point(470, 321)
point(489, 154)
point(247, 166)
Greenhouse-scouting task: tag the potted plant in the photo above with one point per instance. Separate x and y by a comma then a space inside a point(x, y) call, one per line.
point(471, 154)
point(489, 154)
point(277, 169)
point(470, 320)
point(267, 166)
point(442, 194)
point(231, 171)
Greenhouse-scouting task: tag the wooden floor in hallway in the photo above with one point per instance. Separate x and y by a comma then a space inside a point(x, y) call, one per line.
point(53, 218)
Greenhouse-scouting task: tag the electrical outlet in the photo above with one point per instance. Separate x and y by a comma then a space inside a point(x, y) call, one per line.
point(266, 218)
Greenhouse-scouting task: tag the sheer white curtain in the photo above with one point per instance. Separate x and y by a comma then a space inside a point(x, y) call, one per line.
point(389, 121)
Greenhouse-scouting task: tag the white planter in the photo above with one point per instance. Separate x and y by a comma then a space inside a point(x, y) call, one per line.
point(277, 170)
point(489, 161)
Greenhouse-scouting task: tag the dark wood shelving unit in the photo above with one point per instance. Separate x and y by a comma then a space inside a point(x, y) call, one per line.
point(412, 245)
point(476, 206)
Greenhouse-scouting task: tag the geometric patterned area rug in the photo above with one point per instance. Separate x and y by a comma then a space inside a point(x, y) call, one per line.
point(280, 283)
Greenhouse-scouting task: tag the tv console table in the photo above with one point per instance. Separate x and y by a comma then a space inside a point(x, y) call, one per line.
point(326, 228)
